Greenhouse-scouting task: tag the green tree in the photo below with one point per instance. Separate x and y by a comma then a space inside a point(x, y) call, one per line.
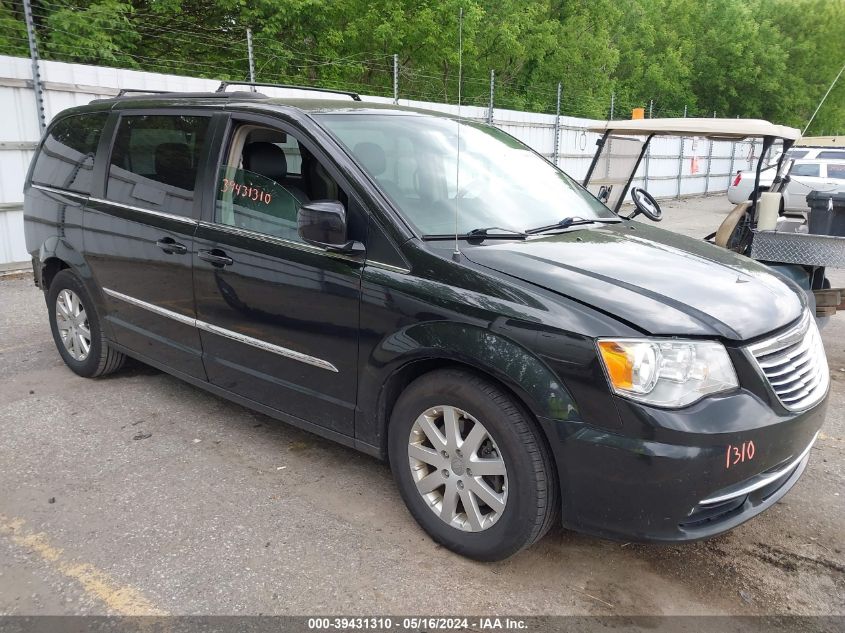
point(755, 58)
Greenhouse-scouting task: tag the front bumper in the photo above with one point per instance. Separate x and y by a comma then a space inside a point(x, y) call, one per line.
point(671, 478)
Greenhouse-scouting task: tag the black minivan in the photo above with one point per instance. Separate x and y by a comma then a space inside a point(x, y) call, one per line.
point(431, 291)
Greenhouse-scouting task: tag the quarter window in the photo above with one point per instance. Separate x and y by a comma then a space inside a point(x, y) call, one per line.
point(835, 171)
point(66, 158)
point(154, 161)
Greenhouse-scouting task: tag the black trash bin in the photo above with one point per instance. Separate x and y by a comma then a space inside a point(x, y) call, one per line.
point(827, 213)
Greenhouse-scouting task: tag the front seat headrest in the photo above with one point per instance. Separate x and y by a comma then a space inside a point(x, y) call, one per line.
point(266, 159)
point(372, 157)
point(173, 165)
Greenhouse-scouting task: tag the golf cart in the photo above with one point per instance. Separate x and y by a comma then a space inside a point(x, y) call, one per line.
point(758, 228)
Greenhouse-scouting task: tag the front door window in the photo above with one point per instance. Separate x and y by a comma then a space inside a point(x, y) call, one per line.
point(267, 176)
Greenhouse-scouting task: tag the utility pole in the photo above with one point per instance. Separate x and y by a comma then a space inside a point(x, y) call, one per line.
point(36, 74)
point(557, 124)
point(251, 59)
point(492, 92)
point(395, 78)
point(612, 103)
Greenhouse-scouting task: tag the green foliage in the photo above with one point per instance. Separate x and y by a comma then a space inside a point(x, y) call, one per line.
point(12, 29)
point(772, 59)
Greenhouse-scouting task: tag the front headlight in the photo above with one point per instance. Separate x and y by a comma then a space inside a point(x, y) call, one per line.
point(666, 373)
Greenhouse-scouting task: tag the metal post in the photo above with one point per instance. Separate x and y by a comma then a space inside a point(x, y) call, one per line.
point(612, 104)
point(251, 58)
point(714, 114)
point(36, 74)
point(680, 165)
point(557, 124)
point(492, 91)
point(648, 149)
point(685, 112)
point(395, 79)
point(731, 170)
point(709, 161)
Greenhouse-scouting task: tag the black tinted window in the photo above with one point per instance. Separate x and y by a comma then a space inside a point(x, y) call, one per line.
point(154, 161)
point(66, 159)
point(834, 154)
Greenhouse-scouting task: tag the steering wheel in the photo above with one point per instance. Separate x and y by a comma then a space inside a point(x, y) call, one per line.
point(645, 204)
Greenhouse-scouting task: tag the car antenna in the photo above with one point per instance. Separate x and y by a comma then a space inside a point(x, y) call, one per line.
point(456, 255)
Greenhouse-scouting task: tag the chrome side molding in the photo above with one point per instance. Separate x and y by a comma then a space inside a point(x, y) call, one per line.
point(230, 334)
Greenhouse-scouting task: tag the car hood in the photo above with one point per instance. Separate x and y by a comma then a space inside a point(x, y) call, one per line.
point(660, 282)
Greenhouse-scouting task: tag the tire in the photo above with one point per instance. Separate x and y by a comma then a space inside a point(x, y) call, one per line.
point(67, 295)
point(525, 499)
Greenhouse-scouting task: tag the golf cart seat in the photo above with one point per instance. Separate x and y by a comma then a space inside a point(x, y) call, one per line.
point(728, 225)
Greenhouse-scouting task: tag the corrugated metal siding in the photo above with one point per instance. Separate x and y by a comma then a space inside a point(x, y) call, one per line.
point(68, 85)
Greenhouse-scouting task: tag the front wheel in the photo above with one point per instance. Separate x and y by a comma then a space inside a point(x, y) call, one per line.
point(76, 328)
point(471, 466)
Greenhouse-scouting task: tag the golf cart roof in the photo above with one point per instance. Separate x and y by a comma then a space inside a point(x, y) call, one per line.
point(821, 141)
point(711, 128)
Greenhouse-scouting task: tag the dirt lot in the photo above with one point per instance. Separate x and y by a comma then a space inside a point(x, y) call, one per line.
point(140, 494)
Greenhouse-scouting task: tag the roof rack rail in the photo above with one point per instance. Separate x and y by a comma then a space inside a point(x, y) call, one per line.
point(125, 91)
point(151, 94)
point(224, 84)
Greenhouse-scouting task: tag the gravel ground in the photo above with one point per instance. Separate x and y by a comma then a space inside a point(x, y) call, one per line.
point(141, 494)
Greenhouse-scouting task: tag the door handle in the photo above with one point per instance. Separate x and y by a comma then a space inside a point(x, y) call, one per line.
point(216, 257)
point(171, 246)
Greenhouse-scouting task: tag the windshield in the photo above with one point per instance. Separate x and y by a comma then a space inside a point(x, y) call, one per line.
point(620, 156)
point(502, 182)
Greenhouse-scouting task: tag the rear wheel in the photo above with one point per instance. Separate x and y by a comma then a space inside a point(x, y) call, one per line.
point(76, 328)
point(471, 465)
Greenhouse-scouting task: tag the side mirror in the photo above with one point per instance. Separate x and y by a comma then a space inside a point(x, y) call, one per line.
point(323, 223)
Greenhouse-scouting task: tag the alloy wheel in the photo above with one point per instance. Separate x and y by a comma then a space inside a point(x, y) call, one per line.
point(458, 468)
point(72, 323)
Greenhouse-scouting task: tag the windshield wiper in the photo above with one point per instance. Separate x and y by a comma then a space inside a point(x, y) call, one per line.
point(483, 234)
point(503, 232)
point(565, 223)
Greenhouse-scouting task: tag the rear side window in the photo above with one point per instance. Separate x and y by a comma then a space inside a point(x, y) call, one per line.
point(805, 169)
point(797, 153)
point(66, 158)
point(154, 161)
point(834, 154)
point(836, 171)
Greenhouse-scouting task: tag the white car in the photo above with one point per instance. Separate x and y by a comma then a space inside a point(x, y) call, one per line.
point(823, 171)
point(807, 176)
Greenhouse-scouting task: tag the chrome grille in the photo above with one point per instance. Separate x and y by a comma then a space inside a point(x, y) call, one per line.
point(795, 364)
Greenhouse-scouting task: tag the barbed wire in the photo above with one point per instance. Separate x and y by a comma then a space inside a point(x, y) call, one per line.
point(374, 75)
